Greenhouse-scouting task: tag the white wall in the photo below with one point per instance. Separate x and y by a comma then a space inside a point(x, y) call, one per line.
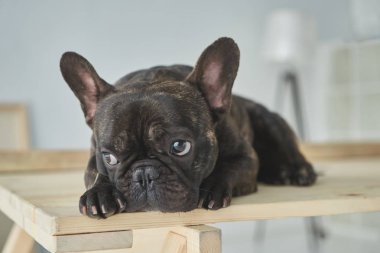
point(121, 36)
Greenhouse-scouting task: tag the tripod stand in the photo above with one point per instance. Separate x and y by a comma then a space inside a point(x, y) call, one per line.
point(314, 227)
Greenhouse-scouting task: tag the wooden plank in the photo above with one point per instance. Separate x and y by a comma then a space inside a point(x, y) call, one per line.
point(155, 236)
point(32, 160)
point(21, 242)
point(174, 243)
point(93, 242)
point(13, 136)
point(198, 239)
point(35, 160)
point(329, 151)
point(6, 226)
point(201, 238)
point(191, 239)
point(51, 205)
point(64, 243)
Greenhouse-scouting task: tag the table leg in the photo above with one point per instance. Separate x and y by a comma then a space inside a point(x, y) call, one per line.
point(174, 243)
point(199, 239)
point(18, 241)
point(187, 239)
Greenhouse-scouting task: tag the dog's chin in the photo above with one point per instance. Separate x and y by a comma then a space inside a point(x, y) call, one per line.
point(156, 202)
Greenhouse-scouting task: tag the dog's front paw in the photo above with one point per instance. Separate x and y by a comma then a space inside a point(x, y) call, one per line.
point(214, 195)
point(101, 201)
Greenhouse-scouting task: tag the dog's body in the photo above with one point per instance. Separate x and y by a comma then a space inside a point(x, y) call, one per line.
point(174, 138)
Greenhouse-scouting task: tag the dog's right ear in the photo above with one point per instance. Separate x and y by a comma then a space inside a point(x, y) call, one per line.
point(86, 84)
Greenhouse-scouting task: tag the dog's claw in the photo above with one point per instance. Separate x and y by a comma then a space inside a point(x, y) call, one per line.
point(121, 204)
point(200, 203)
point(226, 201)
point(104, 211)
point(215, 195)
point(93, 210)
point(101, 201)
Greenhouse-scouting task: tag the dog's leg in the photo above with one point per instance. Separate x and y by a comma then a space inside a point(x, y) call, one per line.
point(281, 162)
point(101, 199)
point(234, 175)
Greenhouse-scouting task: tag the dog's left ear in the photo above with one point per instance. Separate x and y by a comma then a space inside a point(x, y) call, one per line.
point(215, 73)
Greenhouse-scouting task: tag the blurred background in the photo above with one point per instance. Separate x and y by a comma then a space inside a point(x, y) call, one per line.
point(315, 62)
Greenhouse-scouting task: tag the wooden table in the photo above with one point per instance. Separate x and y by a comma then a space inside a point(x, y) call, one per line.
point(44, 203)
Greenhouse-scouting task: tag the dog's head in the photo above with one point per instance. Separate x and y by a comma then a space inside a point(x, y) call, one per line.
point(155, 136)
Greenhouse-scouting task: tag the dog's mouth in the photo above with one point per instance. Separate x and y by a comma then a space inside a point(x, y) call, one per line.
point(168, 196)
point(152, 202)
point(150, 185)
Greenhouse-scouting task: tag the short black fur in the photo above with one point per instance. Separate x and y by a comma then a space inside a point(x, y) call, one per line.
point(231, 141)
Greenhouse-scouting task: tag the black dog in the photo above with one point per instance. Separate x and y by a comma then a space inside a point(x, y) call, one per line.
point(174, 138)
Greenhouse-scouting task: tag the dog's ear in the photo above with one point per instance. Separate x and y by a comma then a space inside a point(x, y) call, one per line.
point(215, 72)
point(86, 84)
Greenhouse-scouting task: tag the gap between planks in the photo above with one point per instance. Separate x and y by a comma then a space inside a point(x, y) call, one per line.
point(34, 160)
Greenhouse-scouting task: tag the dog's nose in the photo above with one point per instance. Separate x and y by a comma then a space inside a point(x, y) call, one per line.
point(145, 176)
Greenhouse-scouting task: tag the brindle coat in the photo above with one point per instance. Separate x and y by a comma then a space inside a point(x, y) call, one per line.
point(235, 141)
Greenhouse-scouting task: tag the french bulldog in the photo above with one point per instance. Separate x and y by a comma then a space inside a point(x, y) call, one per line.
point(174, 138)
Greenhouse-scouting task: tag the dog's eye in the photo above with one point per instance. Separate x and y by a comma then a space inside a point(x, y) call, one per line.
point(110, 159)
point(180, 147)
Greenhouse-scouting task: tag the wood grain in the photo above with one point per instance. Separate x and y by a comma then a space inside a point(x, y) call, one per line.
point(48, 201)
point(174, 243)
point(92, 242)
point(35, 160)
point(201, 239)
point(191, 239)
point(329, 151)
